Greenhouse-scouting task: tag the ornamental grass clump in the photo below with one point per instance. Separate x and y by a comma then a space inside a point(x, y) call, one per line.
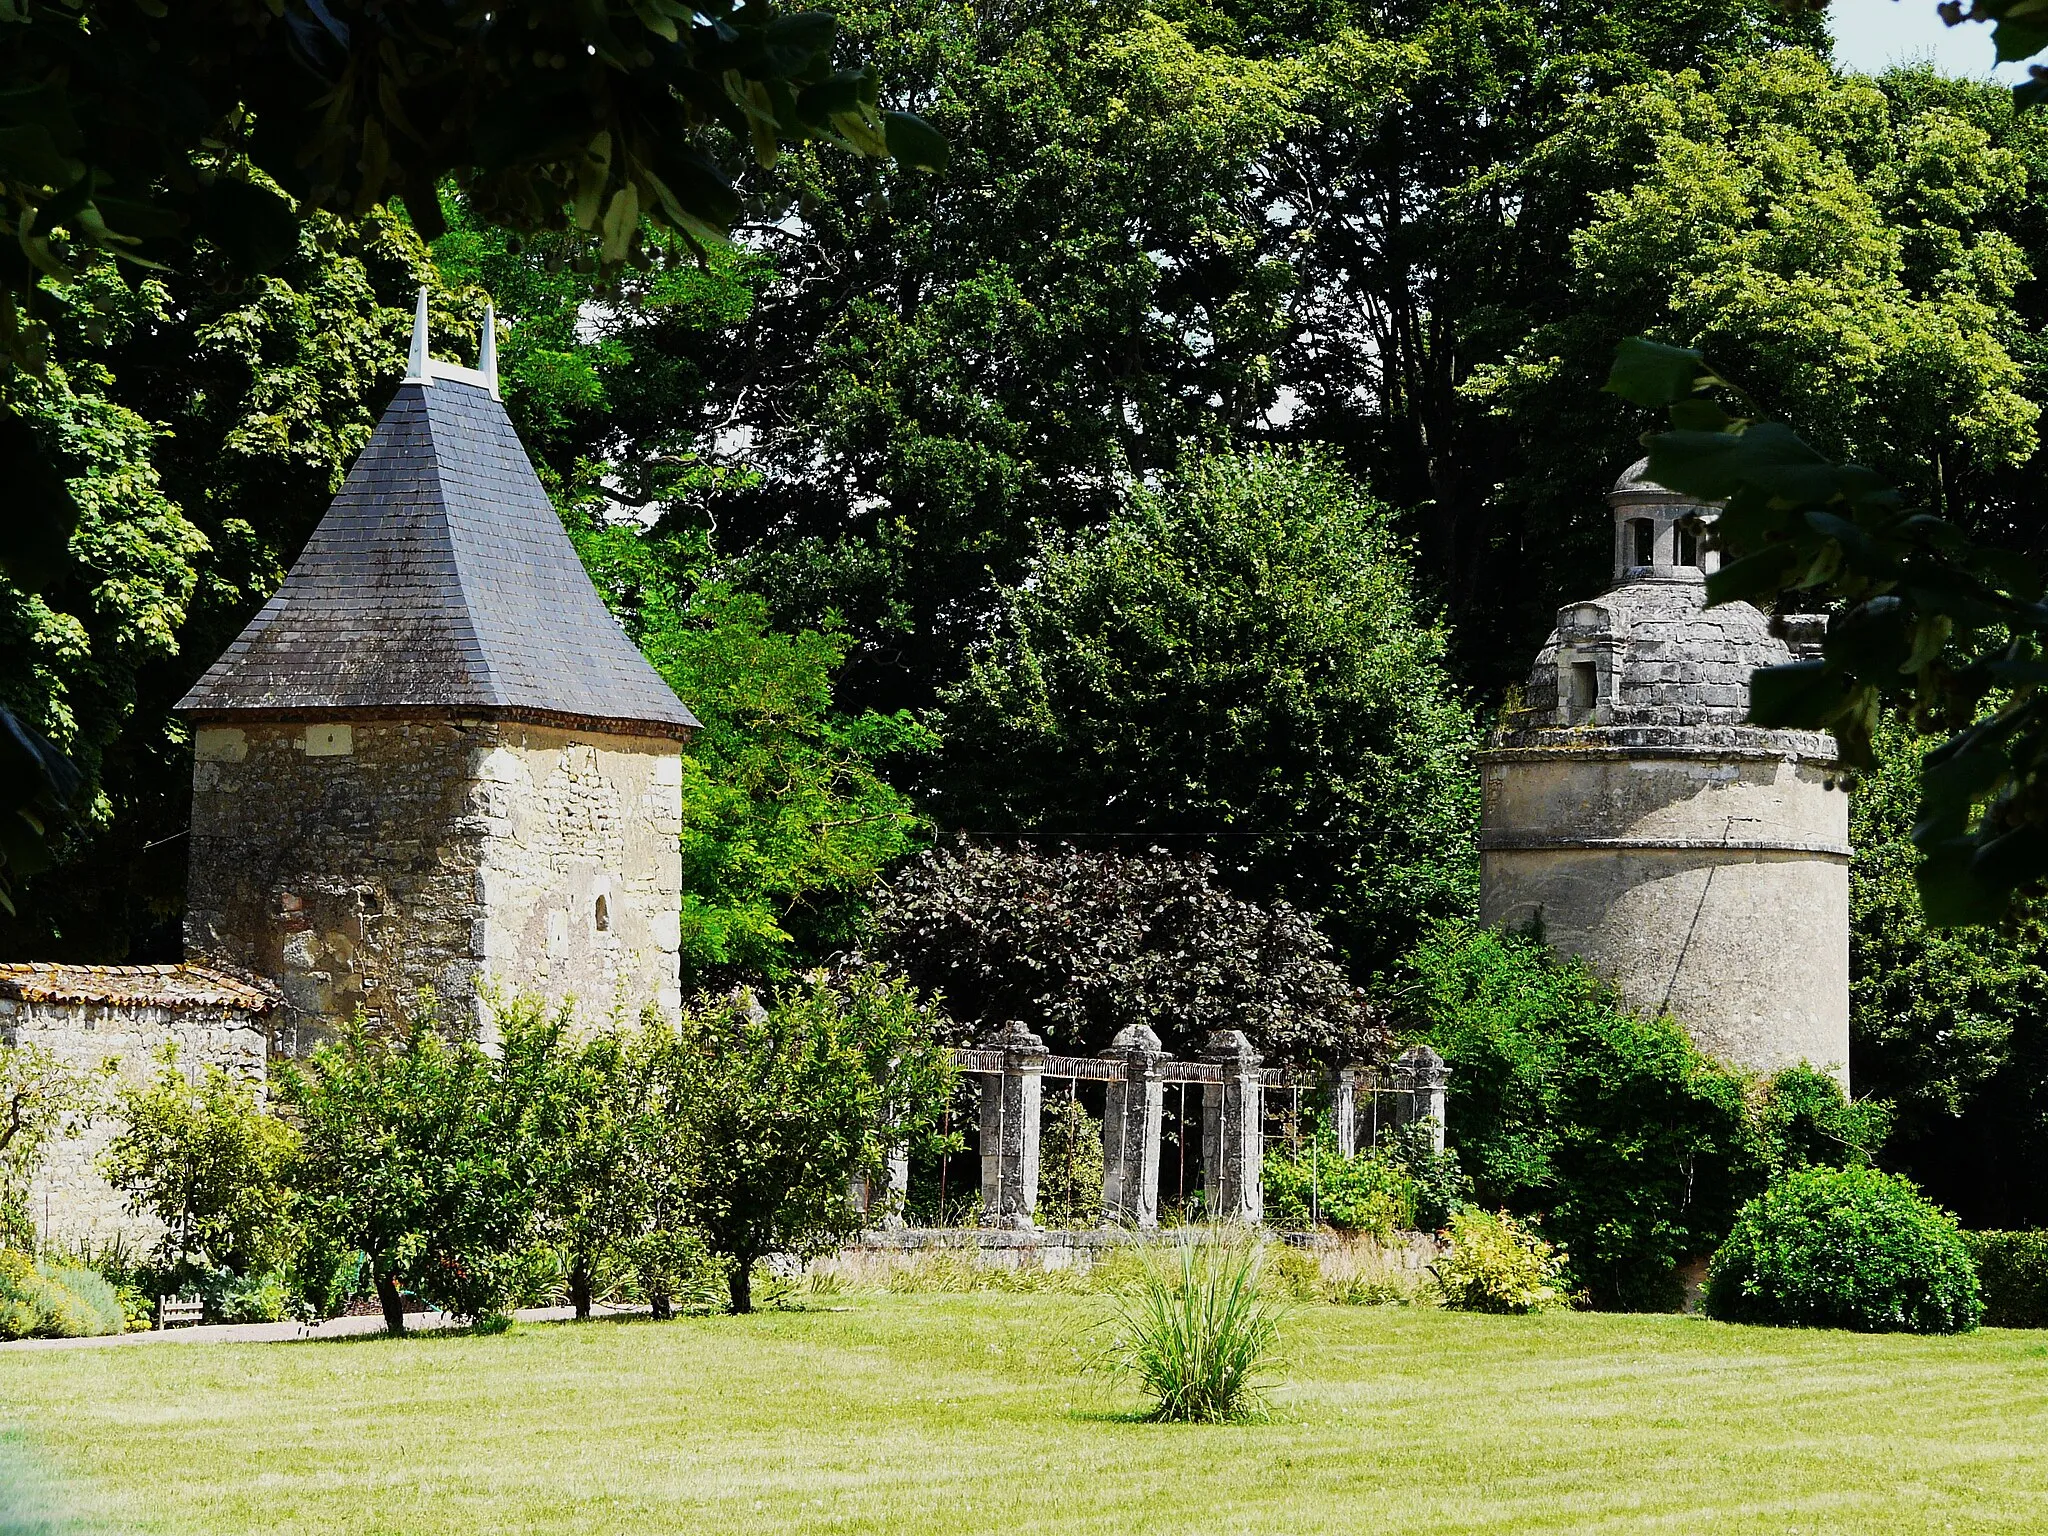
point(1199, 1333)
point(1845, 1248)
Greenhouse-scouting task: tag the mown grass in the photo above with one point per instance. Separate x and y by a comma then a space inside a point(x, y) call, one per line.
point(958, 1413)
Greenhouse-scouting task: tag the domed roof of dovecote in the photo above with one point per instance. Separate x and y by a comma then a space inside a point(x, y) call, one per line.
point(1677, 661)
point(440, 581)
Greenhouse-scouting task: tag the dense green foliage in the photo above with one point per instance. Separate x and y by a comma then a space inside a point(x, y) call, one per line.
point(1079, 945)
point(2012, 1277)
point(1947, 1023)
point(1845, 1248)
point(790, 1105)
point(1492, 1263)
point(44, 1300)
point(206, 1161)
point(1233, 665)
point(1370, 1192)
point(786, 820)
point(1634, 1148)
point(409, 1154)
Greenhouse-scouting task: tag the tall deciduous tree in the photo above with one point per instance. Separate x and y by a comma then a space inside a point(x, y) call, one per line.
point(1236, 663)
point(787, 820)
point(206, 1160)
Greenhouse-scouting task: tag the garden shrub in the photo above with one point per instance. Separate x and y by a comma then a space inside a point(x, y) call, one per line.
point(44, 1300)
point(1494, 1264)
point(2012, 1277)
point(1845, 1248)
point(1636, 1149)
point(1369, 1193)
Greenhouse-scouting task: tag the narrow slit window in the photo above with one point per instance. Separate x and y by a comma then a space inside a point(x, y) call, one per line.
point(1642, 533)
point(1585, 687)
point(604, 915)
point(1689, 543)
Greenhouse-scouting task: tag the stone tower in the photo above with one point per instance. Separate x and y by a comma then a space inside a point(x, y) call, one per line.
point(433, 756)
point(1700, 863)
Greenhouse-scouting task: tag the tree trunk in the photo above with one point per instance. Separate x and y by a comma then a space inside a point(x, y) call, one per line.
point(579, 1289)
point(740, 1281)
point(392, 1303)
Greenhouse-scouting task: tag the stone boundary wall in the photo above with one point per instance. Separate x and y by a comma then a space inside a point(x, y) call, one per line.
point(85, 1015)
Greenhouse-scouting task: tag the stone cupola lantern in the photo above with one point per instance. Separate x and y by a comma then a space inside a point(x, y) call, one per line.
point(1698, 862)
point(434, 758)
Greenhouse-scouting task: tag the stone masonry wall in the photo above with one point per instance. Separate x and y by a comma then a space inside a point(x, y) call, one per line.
point(70, 1200)
point(358, 863)
point(1716, 886)
point(581, 867)
point(340, 861)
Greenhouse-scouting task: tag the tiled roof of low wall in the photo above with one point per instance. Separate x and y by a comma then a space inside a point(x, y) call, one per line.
point(156, 986)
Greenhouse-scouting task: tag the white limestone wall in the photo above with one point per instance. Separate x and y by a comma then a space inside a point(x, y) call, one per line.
point(579, 879)
point(1712, 884)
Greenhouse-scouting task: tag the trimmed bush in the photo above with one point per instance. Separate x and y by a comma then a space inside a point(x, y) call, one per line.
point(1845, 1248)
point(1497, 1265)
point(2012, 1276)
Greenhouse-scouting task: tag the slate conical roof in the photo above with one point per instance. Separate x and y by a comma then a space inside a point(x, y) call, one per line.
point(440, 582)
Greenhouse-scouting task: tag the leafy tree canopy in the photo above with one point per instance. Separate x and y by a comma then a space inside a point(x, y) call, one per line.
point(786, 820)
point(1079, 945)
point(1947, 1023)
point(788, 1106)
point(1236, 663)
point(1635, 1149)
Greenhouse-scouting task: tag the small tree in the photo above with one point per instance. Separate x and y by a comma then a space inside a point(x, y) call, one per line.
point(584, 1141)
point(788, 1106)
point(207, 1162)
point(409, 1152)
point(40, 1100)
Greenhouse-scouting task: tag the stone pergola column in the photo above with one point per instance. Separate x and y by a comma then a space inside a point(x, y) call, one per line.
point(1421, 1086)
point(1233, 1121)
point(1133, 1114)
point(898, 1177)
point(1009, 1128)
point(1344, 1110)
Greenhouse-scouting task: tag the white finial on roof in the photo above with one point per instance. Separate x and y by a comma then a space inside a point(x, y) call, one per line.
point(416, 363)
point(487, 350)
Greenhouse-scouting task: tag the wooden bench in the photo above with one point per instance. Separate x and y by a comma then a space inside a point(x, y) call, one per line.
point(179, 1312)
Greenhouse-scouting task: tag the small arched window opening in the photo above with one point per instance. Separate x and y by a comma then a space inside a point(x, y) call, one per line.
point(1689, 543)
point(604, 915)
point(1642, 533)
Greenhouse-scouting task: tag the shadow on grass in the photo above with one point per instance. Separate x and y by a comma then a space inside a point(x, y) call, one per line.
point(32, 1502)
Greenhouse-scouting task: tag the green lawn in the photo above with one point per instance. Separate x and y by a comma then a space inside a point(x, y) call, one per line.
point(932, 1414)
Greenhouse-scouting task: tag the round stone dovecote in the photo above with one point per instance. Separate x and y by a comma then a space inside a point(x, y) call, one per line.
point(1698, 862)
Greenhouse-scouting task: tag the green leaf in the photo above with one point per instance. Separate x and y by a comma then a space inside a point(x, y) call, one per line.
point(28, 153)
point(1653, 373)
point(915, 142)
